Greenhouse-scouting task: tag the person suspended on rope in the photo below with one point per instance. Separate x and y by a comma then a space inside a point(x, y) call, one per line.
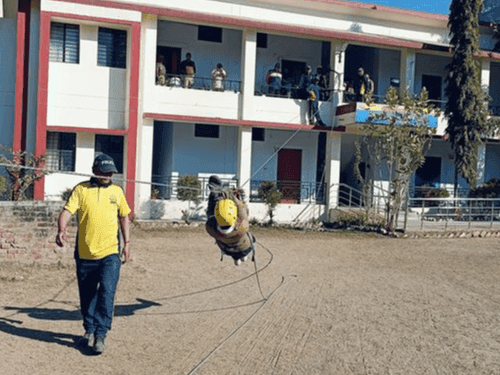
point(227, 222)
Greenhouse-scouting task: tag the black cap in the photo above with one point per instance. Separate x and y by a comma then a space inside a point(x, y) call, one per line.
point(105, 164)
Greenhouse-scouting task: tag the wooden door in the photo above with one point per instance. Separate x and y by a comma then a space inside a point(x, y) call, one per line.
point(289, 173)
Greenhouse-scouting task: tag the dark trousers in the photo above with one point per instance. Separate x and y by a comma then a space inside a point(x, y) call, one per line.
point(97, 280)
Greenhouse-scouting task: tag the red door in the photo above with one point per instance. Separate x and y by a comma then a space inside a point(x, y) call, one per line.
point(289, 171)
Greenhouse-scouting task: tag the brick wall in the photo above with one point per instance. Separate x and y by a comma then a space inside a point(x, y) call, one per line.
point(28, 230)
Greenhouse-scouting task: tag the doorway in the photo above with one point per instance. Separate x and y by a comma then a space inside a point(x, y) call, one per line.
point(433, 85)
point(289, 173)
point(172, 58)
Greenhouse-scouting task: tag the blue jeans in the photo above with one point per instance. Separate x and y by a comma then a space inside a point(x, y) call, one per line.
point(97, 280)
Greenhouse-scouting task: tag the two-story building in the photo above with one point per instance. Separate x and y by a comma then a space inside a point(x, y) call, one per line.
point(81, 77)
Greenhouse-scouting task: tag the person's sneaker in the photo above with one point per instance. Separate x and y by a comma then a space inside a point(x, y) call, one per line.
point(87, 339)
point(99, 345)
point(237, 262)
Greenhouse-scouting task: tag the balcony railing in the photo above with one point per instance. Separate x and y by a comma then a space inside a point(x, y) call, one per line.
point(293, 191)
point(199, 83)
point(166, 187)
point(290, 92)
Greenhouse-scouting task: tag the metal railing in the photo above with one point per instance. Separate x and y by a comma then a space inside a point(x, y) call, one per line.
point(199, 83)
point(164, 187)
point(290, 92)
point(293, 191)
point(465, 211)
point(432, 192)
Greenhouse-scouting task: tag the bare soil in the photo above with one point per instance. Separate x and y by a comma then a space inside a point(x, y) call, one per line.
point(335, 303)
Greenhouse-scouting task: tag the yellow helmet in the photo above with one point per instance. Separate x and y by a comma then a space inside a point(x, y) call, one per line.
point(226, 214)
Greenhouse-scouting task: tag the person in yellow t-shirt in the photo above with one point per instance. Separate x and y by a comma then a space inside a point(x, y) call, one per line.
point(102, 208)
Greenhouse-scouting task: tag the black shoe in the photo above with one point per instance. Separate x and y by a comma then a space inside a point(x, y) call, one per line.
point(99, 346)
point(87, 340)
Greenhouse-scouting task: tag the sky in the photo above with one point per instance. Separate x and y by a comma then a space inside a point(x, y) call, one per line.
point(428, 6)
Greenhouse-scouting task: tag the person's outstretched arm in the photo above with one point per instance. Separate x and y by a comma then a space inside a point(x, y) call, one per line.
point(62, 224)
point(125, 226)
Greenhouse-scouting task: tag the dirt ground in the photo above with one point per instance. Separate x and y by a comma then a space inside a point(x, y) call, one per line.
point(336, 304)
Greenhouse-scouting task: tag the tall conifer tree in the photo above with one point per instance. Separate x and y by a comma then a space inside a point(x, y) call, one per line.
point(466, 108)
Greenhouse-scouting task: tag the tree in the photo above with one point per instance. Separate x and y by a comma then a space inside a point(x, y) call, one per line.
point(466, 109)
point(396, 140)
point(271, 196)
point(23, 171)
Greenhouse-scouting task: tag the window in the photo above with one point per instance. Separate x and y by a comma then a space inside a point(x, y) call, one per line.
point(64, 42)
point(210, 34)
point(112, 48)
point(261, 40)
point(258, 134)
point(206, 131)
point(111, 145)
point(61, 151)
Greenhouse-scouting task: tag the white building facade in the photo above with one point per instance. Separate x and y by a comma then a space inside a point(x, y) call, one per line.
point(83, 80)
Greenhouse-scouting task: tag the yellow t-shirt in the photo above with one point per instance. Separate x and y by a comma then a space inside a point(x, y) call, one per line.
point(98, 209)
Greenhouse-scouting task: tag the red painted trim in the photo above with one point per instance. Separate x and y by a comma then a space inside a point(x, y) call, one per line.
point(386, 9)
point(238, 22)
point(345, 4)
point(135, 50)
point(73, 129)
point(226, 121)
point(130, 133)
point(91, 19)
point(19, 88)
point(290, 29)
point(43, 81)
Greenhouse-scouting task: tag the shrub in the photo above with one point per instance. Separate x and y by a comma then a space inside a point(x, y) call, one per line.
point(189, 188)
point(66, 194)
point(490, 189)
point(271, 196)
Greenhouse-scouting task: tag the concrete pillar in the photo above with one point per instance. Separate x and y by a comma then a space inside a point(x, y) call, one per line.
point(245, 159)
point(407, 71)
point(248, 62)
point(149, 35)
point(485, 74)
point(332, 165)
point(481, 164)
point(337, 76)
point(144, 163)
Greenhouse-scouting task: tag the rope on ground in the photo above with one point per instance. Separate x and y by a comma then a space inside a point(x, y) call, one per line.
point(205, 359)
point(223, 285)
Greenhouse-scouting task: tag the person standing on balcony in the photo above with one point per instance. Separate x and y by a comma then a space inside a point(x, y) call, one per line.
point(322, 83)
point(161, 71)
point(305, 82)
point(188, 70)
point(218, 77)
point(101, 206)
point(273, 79)
point(314, 93)
point(364, 85)
point(227, 222)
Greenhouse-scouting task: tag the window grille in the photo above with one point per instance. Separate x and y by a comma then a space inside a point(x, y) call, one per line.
point(61, 149)
point(64, 43)
point(112, 48)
